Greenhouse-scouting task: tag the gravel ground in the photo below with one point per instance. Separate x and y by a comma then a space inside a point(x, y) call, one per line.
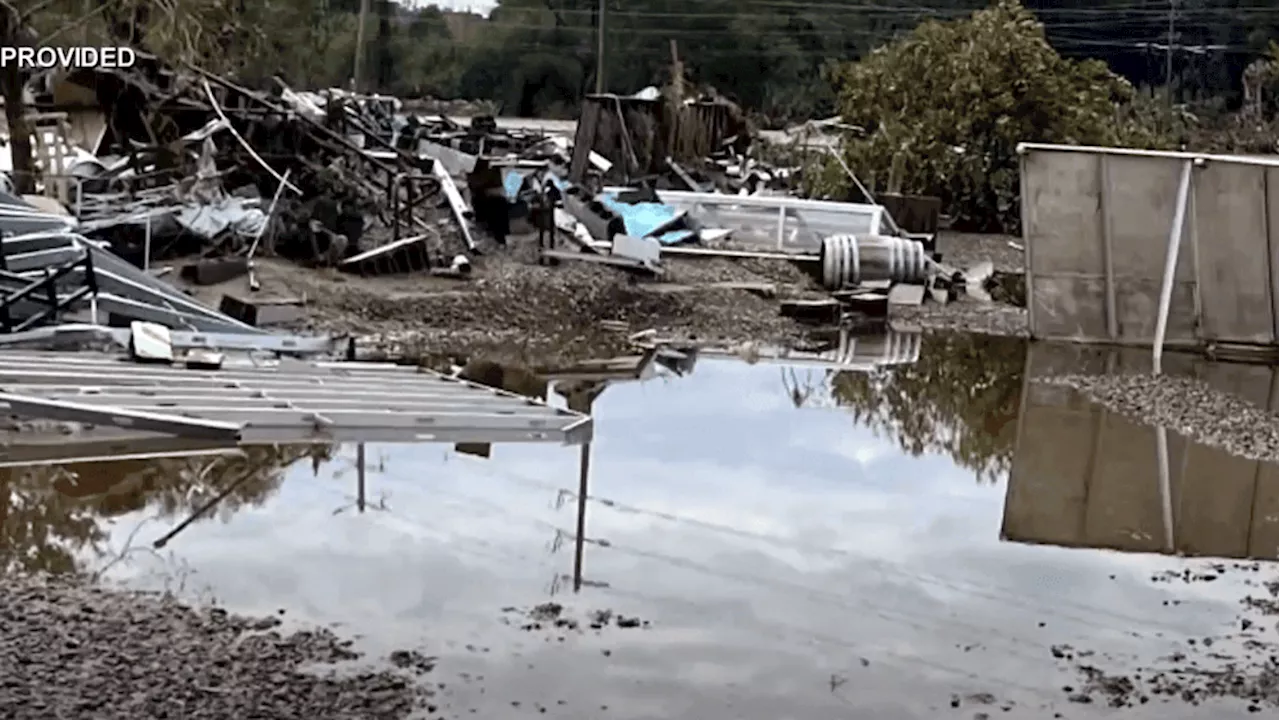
point(1184, 405)
point(963, 251)
point(73, 652)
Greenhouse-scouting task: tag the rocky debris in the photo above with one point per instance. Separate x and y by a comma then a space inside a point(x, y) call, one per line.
point(1205, 669)
point(72, 651)
point(1184, 405)
point(1209, 572)
point(1256, 685)
point(413, 660)
point(555, 615)
point(1263, 605)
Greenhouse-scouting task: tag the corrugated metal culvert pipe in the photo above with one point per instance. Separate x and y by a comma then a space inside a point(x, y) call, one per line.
point(848, 260)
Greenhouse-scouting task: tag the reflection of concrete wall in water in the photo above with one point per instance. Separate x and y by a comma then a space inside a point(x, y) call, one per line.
point(1085, 477)
point(1097, 226)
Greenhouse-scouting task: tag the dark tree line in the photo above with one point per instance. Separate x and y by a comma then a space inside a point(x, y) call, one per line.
point(538, 57)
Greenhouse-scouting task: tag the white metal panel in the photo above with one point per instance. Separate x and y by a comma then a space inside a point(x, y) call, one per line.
point(291, 401)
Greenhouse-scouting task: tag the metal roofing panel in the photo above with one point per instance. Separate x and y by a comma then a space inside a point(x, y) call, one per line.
point(290, 401)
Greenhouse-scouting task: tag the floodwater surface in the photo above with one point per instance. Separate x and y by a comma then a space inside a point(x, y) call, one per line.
point(778, 542)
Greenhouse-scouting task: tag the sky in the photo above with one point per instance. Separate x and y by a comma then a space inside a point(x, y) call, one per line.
point(481, 7)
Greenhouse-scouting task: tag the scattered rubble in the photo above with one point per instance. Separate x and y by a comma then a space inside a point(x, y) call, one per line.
point(72, 651)
point(484, 234)
point(1239, 665)
point(552, 615)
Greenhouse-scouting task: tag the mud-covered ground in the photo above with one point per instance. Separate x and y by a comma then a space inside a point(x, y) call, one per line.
point(513, 307)
point(72, 650)
point(68, 651)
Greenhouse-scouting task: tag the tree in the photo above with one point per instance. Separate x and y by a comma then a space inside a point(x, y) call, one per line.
point(948, 104)
point(15, 32)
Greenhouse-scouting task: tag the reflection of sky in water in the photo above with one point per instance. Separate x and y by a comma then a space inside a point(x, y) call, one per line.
point(800, 545)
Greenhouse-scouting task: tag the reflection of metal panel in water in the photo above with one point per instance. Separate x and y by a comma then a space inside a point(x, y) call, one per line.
point(782, 222)
point(1097, 225)
point(851, 351)
point(1085, 477)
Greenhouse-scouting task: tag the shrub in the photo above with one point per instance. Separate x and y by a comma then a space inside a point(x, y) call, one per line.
point(945, 107)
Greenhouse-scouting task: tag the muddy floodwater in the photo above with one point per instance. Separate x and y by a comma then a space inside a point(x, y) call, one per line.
point(933, 540)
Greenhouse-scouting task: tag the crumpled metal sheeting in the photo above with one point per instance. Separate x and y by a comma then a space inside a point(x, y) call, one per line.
point(230, 214)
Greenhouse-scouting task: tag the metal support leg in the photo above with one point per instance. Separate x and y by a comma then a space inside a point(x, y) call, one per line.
point(579, 543)
point(146, 247)
point(1166, 491)
point(782, 225)
point(360, 478)
point(1171, 265)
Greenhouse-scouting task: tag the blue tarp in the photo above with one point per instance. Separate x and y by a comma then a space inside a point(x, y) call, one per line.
point(511, 183)
point(675, 237)
point(645, 219)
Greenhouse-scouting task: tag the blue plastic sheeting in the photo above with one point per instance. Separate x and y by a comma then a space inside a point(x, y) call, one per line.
point(511, 183)
point(642, 219)
point(675, 237)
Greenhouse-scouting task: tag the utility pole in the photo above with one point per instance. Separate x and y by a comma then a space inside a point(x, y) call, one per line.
point(599, 48)
point(358, 79)
point(1168, 53)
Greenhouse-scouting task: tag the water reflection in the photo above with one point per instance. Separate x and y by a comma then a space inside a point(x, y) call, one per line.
point(959, 399)
point(57, 517)
point(1086, 477)
point(777, 550)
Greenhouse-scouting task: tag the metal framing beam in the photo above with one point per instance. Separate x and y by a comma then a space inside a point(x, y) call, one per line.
point(1024, 148)
point(50, 409)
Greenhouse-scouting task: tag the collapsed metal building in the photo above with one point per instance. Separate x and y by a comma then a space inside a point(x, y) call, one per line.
point(163, 373)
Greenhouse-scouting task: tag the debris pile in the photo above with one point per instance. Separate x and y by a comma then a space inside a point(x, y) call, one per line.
point(188, 164)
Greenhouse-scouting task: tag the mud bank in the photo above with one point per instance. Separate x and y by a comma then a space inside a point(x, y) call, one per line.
point(73, 651)
point(513, 307)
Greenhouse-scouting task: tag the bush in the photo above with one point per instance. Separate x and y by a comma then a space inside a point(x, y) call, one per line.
point(945, 107)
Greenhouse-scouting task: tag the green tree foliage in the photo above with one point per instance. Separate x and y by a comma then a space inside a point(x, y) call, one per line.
point(946, 106)
point(960, 399)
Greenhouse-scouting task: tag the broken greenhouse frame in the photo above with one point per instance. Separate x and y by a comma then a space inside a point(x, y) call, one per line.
point(778, 221)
